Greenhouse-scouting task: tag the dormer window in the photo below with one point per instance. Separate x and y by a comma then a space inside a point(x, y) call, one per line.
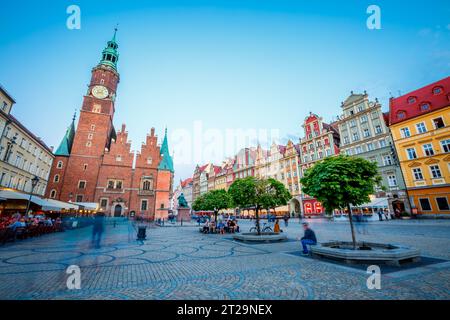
point(412, 100)
point(437, 90)
point(425, 106)
point(401, 115)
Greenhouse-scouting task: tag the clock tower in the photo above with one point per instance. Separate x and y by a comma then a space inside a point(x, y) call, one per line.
point(95, 129)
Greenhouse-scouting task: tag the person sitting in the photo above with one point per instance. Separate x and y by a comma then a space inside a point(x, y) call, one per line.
point(17, 224)
point(212, 227)
point(309, 238)
point(276, 228)
point(231, 226)
point(236, 226)
point(206, 227)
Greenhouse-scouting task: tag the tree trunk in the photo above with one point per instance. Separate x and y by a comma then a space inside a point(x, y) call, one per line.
point(350, 218)
point(215, 216)
point(258, 227)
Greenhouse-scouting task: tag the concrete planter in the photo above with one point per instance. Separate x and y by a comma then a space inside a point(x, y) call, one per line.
point(263, 237)
point(367, 252)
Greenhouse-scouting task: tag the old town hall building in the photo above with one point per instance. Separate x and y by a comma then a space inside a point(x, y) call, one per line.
point(94, 163)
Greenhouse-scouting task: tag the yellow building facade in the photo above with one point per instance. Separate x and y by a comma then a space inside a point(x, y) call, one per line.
point(420, 127)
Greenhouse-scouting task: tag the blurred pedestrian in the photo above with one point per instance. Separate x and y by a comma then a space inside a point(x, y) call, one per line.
point(97, 229)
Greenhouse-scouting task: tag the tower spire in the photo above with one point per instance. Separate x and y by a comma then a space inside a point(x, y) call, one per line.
point(166, 161)
point(110, 55)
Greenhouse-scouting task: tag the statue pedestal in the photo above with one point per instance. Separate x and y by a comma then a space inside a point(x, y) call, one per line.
point(184, 214)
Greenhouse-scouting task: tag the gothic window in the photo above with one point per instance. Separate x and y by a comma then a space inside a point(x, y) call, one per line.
point(53, 194)
point(147, 185)
point(90, 136)
point(103, 203)
point(56, 178)
point(82, 184)
point(119, 158)
point(92, 127)
point(88, 144)
point(96, 108)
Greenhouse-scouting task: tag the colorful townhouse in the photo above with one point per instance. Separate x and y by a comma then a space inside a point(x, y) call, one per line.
point(420, 126)
point(321, 140)
point(364, 133)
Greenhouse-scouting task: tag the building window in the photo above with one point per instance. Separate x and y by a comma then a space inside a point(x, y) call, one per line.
point(104, 203)
point(88, 144)
point(162, 205)
point(56, 178)
point(411, 153)
point(115, 184)
point(445, 145)
point(405, 132)
point(119, 158)
point(387, 160)
point(85, 166)
point(53, 194)
point(79, 198)
point(417, 172)
point(378, 129)
point(149, 160)
point(435, 172)
point(437, 90)
point(352, 123)
point(392, 181)
point(438, 123)
point(96, 108)
point(428, 149)
point(412, 100)
point(382, 143)
point(425, 204)
point(358, 150)
point(147, 185)
point(59, 165)
point(366, 133)
point(370, 146)
point(92, 127)
point(401, 115)
point(346, 140)
point(442, 203)
point(355, 136)
point(425, 106)
point(144, 205)
point(90, 136)
point(364, 119)
point(82, 184)
point(421, 128)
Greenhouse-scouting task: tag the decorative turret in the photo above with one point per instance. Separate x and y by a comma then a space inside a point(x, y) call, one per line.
point(166, 161)
point(110, 55)
point(65, 147)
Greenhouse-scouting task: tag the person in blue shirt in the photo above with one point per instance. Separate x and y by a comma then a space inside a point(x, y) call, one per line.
point(309, 238)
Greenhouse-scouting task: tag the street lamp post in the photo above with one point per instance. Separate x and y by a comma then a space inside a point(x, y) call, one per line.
point(34, 182)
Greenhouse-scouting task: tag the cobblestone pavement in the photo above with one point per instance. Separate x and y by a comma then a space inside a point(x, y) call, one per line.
point(181, 263)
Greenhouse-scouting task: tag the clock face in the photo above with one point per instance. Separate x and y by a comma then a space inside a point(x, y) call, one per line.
point(100, 92)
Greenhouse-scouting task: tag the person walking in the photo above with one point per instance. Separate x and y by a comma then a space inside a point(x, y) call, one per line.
point(380, 214)
point(97, 229)
point(309, 238)
point(286, 220)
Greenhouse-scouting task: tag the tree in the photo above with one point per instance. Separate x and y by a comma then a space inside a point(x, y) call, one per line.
point(342, 181)
point(258, 193)
point(214, 200)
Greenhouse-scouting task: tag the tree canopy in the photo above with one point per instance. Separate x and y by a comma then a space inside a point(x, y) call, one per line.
point(338, 182)
point(212, 200)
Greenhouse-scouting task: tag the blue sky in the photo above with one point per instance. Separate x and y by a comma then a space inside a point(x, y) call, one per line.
point(229, 64)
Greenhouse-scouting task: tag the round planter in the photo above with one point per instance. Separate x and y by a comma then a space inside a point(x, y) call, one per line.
point(263, 237)
point(367, 252)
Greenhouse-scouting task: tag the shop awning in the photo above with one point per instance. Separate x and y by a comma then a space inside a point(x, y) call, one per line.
point(375, 203)
point(15, 195)
point(87, 205)
point(56, 205)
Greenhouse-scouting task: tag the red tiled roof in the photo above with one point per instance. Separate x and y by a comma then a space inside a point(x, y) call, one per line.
point(409, 105)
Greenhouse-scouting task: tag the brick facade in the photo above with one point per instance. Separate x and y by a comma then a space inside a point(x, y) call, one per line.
point(100, 167)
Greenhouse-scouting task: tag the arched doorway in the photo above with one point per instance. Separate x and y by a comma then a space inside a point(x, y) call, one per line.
point(117, 210)
point(294, 207)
